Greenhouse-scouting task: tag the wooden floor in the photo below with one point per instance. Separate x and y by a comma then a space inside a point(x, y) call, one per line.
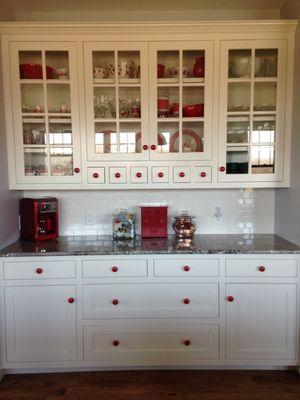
point(154, 385)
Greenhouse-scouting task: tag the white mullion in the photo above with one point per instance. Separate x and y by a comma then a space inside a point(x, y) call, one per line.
point(46, 110)
point(180, 101)
point(117, 100)
point(251, 110)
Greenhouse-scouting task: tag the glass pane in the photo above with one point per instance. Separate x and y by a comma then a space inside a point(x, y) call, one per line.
point(32, 96)
point(265, 96)
point(263, 131)
point(106, 138)
point(266, 63)
point(167, 64)
point(60, 133)
point(104, 102)
point(58, 97)
point(237, 158)
point(168, 138)
point(34, 130)
point(30, 64)
point(129, 102)
point(103, 65)
point(239, 64)
point(35, 160)
point(168, 102)
point(61, 161)
point(130, 138)
point(128, 65)
point(193, 65)
point(262, 159)
point(192, 137)
point(58, 61)
point(193, 102)
point(238, 96)
point(238, 128)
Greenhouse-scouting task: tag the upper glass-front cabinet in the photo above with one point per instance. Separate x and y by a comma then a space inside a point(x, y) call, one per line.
point(116, 100)
point(252, 103)
point(45, 111)
point(181, 100)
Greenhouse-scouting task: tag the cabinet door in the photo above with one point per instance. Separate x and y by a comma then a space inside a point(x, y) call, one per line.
point(40, 323)
point(260, 321)
point(116, 82)
point(181, 100)
point(252, 108)
point(46, 112)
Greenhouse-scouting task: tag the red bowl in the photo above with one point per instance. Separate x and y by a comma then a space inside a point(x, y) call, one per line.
point(192, 111)
point(160, 70)
point(34, 71)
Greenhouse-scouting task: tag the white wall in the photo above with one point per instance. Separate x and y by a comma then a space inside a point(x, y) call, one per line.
point(287, 201)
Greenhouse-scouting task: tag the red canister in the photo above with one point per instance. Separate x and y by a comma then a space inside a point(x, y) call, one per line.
point(154, 221)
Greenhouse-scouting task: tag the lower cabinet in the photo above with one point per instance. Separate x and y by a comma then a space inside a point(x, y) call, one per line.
point(40, 323)
point(261, 321)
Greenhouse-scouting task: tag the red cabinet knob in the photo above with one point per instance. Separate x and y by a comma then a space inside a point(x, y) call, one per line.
point(76, 170)
point(186, 301)
point(186, 342)
point(115, 302)
point(153, 147)
point(186, 268)
point(114, 269)
point(203, 174)
point(95, 175)
point(145, 147)
point(262, 268)
point(160, 174)
point(71, 300)
point(230, 299)
point(39, 270)
point(138, 174)
point(181, 174)
point(222, 169)
point(116, 343)
point(117, 175)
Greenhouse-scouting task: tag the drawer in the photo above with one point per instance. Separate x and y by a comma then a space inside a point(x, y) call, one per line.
point(201, 174)
point(181, 174)
point(160, 174)
point(117, 175)
point(138, 174)
point(156, 300)
point(114, 268)
point(156, 343)
point(96, 175)
point(39, 269)
point(261, 268)
point(186, 268)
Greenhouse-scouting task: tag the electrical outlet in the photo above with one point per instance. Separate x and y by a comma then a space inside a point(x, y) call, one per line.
point(218, 215)
point(91, 218)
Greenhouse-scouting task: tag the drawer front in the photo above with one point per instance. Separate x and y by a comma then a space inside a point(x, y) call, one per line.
point(181, 174)
point(160, 174)
point(172, 300)
point(39, 269)
point(111, 268)
point(186, 268)
point(151, 343)
point(117, 175)
point(201, 174)
point(138, 175)
point(96, 175)
point(261, 268)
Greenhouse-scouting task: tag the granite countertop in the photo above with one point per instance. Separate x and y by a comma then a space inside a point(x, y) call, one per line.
point(105, 245)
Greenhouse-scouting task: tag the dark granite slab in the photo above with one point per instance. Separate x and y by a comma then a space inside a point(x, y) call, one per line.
point(105, 245)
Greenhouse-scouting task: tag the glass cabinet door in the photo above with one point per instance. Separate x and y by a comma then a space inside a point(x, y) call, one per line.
point(181, 100)
point(251, 111)
point(45, 108)
point(116, 96)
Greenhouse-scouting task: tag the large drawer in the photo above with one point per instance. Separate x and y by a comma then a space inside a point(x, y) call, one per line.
point(39, 269)
point(156, 300)
point(151, 343)
point(186, 267)
point(114, 268)
point(261, 268)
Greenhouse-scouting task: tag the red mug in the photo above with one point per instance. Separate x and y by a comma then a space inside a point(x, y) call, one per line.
point(174, 109)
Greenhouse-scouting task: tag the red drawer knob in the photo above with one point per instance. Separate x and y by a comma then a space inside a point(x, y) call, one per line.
point(116, 343)
point(115, 302)
point(114, 269)
point(222, 169)
point(186, 301)
point(117, 175)
point(160, 174)
point(181, 174)
point(230, 299)
point(138, 174)
point(262, 268)
point(203, 174)
point(39, 270)
point(145, 147)
point(153, 147)
point(187, 342)
point(95, 175)
point(76, 170)
point(71, 300)
point(186, 268)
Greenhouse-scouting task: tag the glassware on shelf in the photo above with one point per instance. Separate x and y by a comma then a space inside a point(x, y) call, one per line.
point(35, 160)
point(61, 161)
point(237, 159)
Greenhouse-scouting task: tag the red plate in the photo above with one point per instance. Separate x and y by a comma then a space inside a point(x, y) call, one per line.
point(190, 139)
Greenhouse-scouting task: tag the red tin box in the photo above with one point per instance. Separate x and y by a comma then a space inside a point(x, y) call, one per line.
point(154, 221)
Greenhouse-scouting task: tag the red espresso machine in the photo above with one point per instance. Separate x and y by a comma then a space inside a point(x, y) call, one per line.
point(39, 219)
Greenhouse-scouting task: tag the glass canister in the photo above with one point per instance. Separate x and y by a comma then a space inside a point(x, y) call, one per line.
point(184, 226)
point(123, 225)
